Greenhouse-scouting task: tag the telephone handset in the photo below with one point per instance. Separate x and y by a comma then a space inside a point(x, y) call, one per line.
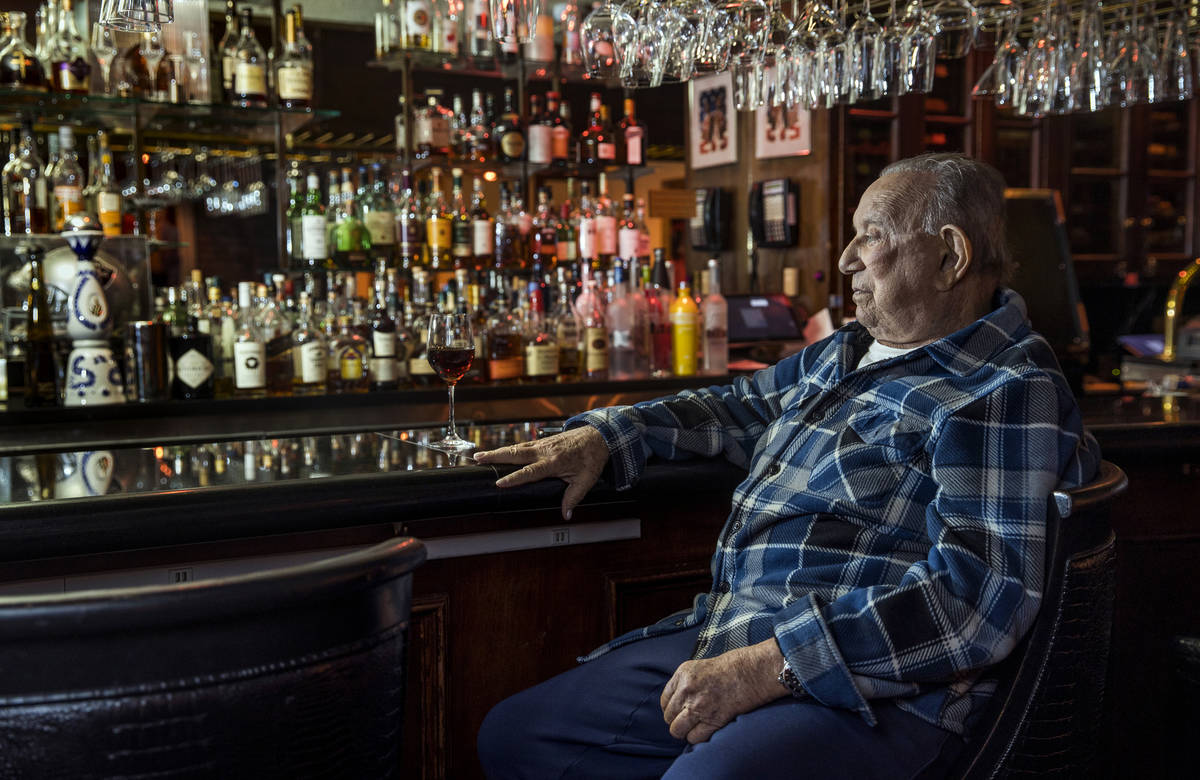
point(773, 213)
point(709, 225)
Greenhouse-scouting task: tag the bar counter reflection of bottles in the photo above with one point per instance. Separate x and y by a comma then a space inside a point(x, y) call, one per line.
point(223, 464)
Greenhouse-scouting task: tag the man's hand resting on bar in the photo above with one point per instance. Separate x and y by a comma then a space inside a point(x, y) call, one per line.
point(577, 457)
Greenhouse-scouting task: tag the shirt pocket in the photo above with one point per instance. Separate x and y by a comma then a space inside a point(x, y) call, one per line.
point(866, 460)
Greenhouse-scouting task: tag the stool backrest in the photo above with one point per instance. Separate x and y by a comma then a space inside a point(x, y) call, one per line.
point(292, 672)
point(1046, 715)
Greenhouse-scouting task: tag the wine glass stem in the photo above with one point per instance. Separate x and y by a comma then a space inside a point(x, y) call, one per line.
point(453, 431)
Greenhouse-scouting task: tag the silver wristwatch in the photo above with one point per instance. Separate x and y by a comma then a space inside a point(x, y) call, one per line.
point(789, 680)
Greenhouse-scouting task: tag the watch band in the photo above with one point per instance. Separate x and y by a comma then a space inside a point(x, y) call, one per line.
point(789, 680)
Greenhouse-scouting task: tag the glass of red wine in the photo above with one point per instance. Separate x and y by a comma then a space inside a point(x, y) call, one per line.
point(451, 351)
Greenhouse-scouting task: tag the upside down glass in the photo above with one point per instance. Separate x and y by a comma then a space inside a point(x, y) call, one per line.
point(451, 352)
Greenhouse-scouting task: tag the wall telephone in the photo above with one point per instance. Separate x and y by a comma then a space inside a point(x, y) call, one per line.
point(773, 213)
point(709, 225)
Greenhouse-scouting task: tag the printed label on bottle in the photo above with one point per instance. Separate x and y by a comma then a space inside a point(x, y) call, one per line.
point(587, 238)
point(350, 364)
point(419, 18)
point(109, 206)
point(383, 344)
point(438, 233)
point(606, 236)
point(560, 142)
point(295, 83)
point(606, 150)
point(541, 360)
point(633, 148)
point(683, 341)
point(439, 132)
point(314, 360)
point(193, 369)
point(483, 233)
point(312, 237)
point(228, 63)
point(505, 368)
point(72, 76)
point(422, 131)
point(69, 197)
point(643, 245)
point(381, 227)
point(411, 235)
point(621, 339)
point(250, 79)
point(249, 365)
point(383, 369)
point(627, 243)
point(513, 145)
point(462, 238)
point(39, 192)
point(541, 144)
point(595, 350)
point(419, 366)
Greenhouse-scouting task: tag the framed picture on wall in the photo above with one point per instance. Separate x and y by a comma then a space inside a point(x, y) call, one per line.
point(782, 131)
point(712, 121)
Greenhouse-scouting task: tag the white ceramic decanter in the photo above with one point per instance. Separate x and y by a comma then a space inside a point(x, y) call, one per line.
point(93, 376)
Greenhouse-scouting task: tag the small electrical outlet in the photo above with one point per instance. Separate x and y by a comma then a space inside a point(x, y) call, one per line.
point(560, 536)
point(177, 576)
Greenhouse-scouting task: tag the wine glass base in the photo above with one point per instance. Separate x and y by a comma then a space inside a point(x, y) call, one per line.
point(452, 445)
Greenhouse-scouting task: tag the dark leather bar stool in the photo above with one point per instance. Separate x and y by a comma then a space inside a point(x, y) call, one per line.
point(293, 672)
point(1047, 715)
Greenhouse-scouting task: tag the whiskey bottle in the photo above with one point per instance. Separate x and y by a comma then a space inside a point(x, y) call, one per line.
point(543, 238)
point(431, 129)
point(227, 50)
point(41, 373)
point(462, 238)
point(505, 348)
point(294, 68)
point(595, 144)
point(541, 345)
point(20, 67)
point(479, 131)
point(566, 332)
point(25, 188)
point(276, 332)
point(509, 135)
point(595, 332)
point(314, 248)
point(483, 228)
point(192, 356)
point(249, 351)
point(438, 231)
point(69, 54)
point(310, 356)
point(68, 179)
point(417, 24)
point(222, 326)
point(410, 227)
point(559, 120)
point(109, 198)
point(249, 68)
point(349, 361)
point(633, 136)
point(540, 135)
point(383, 336)
point(380, 216)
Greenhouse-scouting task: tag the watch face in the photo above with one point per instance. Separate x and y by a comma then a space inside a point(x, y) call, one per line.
point(788, 679)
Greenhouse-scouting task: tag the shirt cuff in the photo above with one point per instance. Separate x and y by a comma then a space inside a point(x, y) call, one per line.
point(627, 450)
point(808, 646)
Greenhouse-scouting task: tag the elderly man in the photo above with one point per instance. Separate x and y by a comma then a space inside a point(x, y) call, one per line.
point(885, 549)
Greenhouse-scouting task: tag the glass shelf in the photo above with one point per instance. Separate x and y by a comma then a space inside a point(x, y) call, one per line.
point(216, 122)
point(526, 70)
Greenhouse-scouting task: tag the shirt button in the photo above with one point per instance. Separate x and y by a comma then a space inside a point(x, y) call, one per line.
point(737, 524)
point(774, 469)
point(724, 587)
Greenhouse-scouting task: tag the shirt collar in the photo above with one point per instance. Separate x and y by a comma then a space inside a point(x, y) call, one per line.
point(963, 351)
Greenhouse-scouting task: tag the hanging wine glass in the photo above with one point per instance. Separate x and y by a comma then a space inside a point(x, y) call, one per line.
point(137, 15)
point(889, 56)
point(1000, 78)
point(864, 55)
point(600, 35)
point(1090, 66)
point(775, 59)
point(712, 30)
point(957, 24)
point(749, 32)
point(919, 49)
point(995, 16)
point(514, 19)
point(681, 59)
point(1133, 75)
point(1175, 62)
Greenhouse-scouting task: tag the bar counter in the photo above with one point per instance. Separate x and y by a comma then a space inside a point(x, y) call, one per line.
point(512, 593)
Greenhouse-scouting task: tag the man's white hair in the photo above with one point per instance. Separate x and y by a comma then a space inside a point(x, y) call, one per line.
point(969, 194)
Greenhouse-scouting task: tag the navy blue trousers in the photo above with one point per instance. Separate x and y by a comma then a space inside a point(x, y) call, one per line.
point(603, 720)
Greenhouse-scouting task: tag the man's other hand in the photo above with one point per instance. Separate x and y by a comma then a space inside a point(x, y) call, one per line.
point(702, 696)
point(577, 457)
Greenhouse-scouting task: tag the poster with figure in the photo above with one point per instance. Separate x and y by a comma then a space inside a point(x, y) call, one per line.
point(712, 122)
point(782, 131)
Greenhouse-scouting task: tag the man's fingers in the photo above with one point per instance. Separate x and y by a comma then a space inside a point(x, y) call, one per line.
point(575, 492)
point(531, 473)
point(682, 724)
point(701, 732)
point(517, 453)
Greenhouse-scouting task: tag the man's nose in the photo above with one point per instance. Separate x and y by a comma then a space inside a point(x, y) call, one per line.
point(849, 262)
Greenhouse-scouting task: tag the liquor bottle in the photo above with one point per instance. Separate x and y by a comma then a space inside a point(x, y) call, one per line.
point(628, 235)
point(417, 24)
point(606, 146)
point(313, 244)
point(716, 325)
point(543, 242)
point(222, 327)
point(483, 228)
point(462, 236)
point(567, 241)
point(438, 230)
point(622, 321)
point(249, 67)
point(294, 68)
point(606, 223)
point(431, 129)
point(349, 361)
point(69, 54)
point(560, 129)
point(566, 332)
point(383, 336)
point(227, 50)
point(92, 183)
point(276, 331)
point(380, 217)
point(401, 129)
point(479, 31)
point(479, 131)
point(460, 127)
point(410, 226)
point(20, 67)
point(590, 306)
point(192, 356)
point(541, 345)
point(540, 134)
point(586, 225)
point(388, 38)
point(596, 145)
point(295, 187)
point(446, 27)
point(643, 241)
point(68, 179)
point(684, 324)
point(249, 351)
point(40, 371)
point(509, 135)
point(25, 188)
point(505, 347)
point(351, 243)
point(633, 136)
point(571, 21)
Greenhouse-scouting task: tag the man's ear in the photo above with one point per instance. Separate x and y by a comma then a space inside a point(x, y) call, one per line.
point(957, 256)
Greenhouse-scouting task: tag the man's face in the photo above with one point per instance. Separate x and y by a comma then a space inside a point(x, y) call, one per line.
point(892, 263)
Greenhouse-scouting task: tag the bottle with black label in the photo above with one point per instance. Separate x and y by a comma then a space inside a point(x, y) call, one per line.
point(383, 336)
point(509, 135)
point(192, 356)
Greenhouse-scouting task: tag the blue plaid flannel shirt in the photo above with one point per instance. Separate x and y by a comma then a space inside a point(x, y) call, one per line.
point(890, 533)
